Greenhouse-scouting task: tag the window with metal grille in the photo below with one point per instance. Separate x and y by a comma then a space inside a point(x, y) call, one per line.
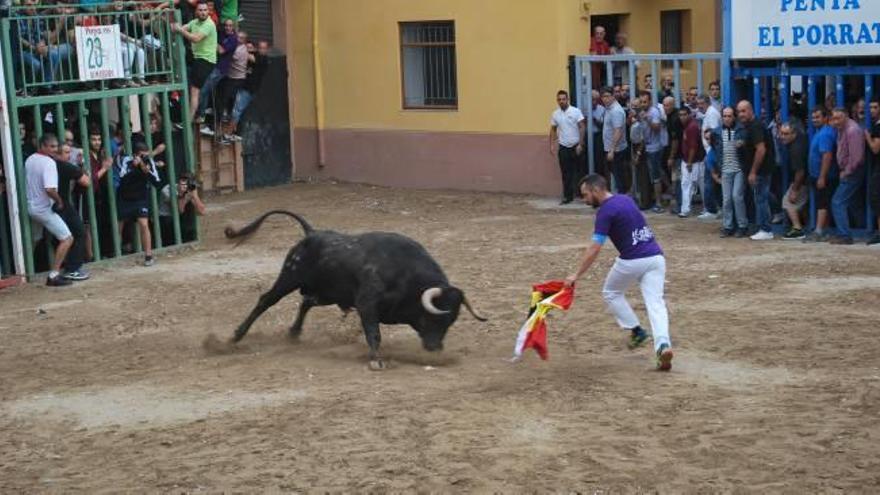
point(427, 55)
point(671, 33)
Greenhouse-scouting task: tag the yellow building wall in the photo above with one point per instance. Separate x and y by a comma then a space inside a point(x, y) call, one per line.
point(512, 58)
point(701, 32)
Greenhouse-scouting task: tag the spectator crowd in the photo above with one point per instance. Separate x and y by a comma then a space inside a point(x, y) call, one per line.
point(734, 161)
point(225, 71)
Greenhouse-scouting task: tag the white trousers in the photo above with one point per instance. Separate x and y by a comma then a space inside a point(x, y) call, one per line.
point(650, 273)
point(689, 180)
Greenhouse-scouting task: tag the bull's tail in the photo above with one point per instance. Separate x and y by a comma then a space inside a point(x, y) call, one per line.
point(245, 232)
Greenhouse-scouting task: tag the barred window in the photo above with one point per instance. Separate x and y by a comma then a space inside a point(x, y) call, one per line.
point(428, 64)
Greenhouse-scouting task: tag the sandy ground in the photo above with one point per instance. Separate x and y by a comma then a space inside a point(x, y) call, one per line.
point(776, 387)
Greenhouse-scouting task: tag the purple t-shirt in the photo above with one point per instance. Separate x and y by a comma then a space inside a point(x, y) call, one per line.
point(620, 219)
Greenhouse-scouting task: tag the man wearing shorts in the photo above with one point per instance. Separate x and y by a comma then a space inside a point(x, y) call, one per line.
point(641, 260)
point(202, 33)
point(44, 202)
point(136, 174)
point(795, 141)
point(823, 172)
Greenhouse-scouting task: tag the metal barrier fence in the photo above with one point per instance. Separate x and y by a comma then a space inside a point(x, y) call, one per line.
point(693, 65)
point(765, 81)
point(43, 43)
point(165, 76)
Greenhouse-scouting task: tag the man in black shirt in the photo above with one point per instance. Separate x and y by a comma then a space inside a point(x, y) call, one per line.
point(252, 84)
point(873, 138)
point(69, 173)
point(797, 196)
point(674, 130)
point(136, 174)
point(756, 149)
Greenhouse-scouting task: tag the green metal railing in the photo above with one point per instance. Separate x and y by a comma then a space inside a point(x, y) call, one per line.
point(89, 105)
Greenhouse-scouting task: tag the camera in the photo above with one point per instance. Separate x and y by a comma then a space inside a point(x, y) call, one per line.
point(191, 184)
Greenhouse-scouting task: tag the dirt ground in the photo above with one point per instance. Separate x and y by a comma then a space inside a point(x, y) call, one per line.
point(776, 387)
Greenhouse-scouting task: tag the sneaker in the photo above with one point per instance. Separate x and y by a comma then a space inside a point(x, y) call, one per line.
point(235, 137)
point(199, 119)
point(762, 235)
point(741, 233)
point(565, 201)
point(816, 237)
point(664, 358)
point(875, 239)
point(178, 126)
point(841, 241)
point(149, 261)
point(207, 131)
point(777, 218)
point(726, 233)
point(682, 214)
point(793, 235)
point(225, 140)
point(58, 281)
point(657, 209)
point(637, 338)
point(77, 275)
point(705, 216)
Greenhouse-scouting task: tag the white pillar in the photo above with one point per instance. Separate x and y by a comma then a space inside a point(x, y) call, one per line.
point(9, 169)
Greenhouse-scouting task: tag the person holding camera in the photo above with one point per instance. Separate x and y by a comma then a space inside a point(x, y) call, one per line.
point(136, 173)
point(44, 202)
point(189, 205)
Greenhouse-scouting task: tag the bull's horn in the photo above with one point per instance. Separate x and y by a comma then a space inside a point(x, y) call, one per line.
point(472, 312)
point(428, 301)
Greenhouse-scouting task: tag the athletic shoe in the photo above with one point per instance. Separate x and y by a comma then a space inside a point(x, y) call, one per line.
point(726, 233)
point(199, 119)
point(683, 214)
point(657, 209)
point(777, 218)
point(565, 201)
point(841, 241)
point(149, 261)
point(235, 137)
point(793, 235)
point(77, 275)
point(741, 233)
point(207, 131)
point(178, 126)
point(637, 338)
point(762, 235)
point(664, 358)
point(875, 239)
point(816, 237)
point(705, 216)
point(58, 281)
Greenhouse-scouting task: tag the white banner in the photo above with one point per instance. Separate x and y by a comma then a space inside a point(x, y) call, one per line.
point(99, 52)
point(765, 29)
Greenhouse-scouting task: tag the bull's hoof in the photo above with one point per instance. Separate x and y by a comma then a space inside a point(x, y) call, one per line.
point(377, 365)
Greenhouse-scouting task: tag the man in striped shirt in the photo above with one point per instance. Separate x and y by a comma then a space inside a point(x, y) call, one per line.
point(731, 177)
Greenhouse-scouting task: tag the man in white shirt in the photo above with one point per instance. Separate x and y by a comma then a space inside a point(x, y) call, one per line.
point(711, 122)
point(567, 127)
point(44, 202)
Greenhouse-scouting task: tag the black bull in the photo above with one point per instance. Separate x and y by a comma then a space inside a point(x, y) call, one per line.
point(388, 278)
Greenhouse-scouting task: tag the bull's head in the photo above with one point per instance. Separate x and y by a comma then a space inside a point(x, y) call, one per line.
point(441, 305)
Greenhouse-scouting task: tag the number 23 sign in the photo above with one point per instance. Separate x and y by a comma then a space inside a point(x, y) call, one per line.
point(99, 52)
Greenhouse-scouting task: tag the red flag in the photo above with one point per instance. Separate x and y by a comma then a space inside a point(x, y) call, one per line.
point(533, 334)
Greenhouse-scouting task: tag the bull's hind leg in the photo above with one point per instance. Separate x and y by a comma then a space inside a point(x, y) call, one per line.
point(308, 303)
point(284, 285)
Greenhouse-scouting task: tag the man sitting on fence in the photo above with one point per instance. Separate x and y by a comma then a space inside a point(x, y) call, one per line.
point(136, 173)
point(44, 202)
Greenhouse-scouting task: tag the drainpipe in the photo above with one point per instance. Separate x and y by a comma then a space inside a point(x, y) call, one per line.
point(319, 88)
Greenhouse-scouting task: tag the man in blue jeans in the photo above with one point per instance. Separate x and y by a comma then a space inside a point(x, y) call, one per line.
point(756, 155)
point(38, 48)
point(253, 81)
point(850, 161)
